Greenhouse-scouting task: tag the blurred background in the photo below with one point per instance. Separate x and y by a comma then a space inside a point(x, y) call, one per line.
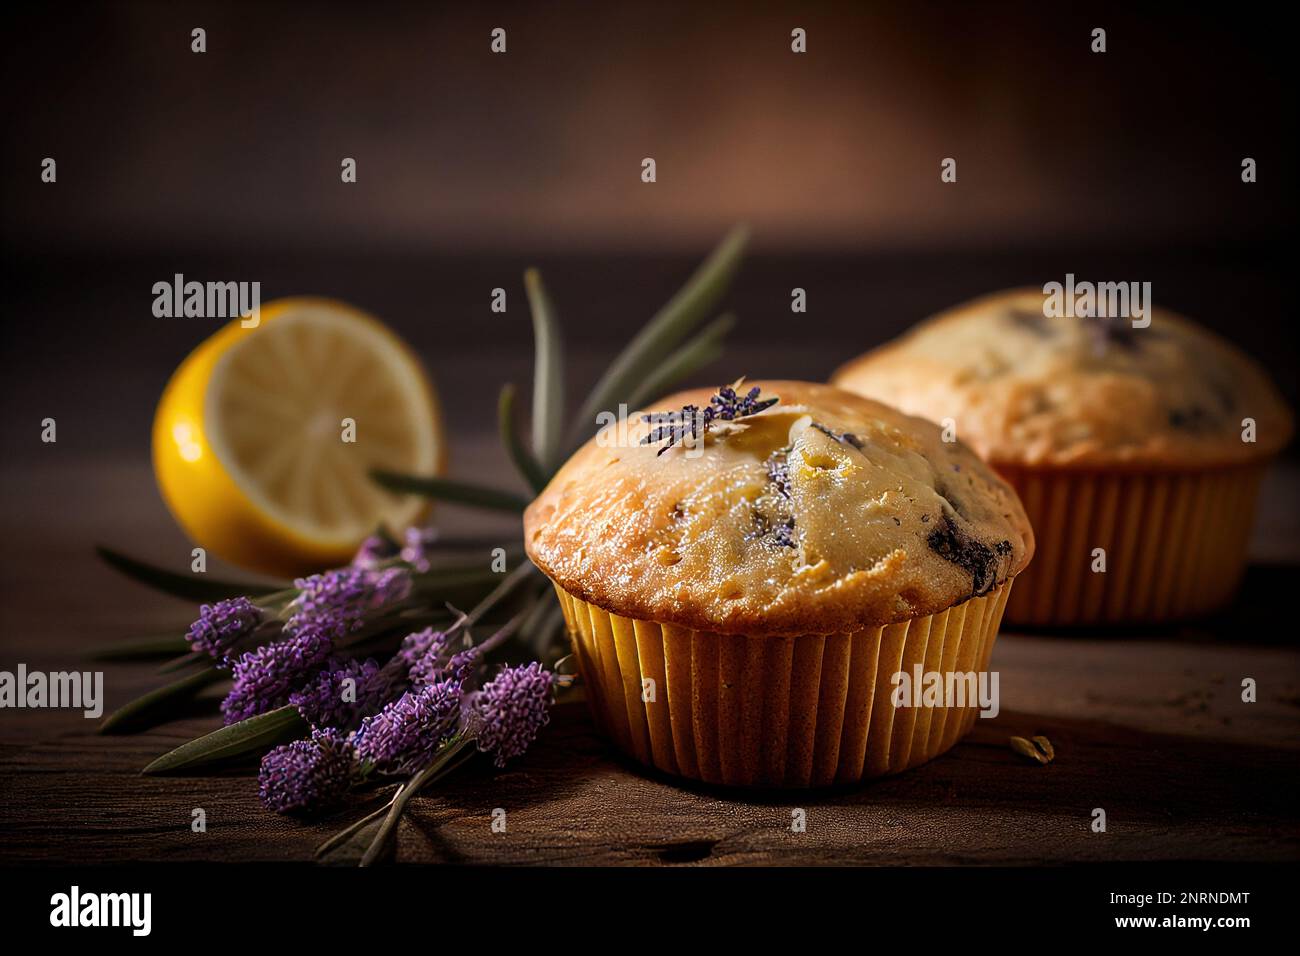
point(225, 166)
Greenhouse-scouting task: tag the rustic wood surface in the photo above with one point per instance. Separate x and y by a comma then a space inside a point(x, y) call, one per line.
point(1148, 726)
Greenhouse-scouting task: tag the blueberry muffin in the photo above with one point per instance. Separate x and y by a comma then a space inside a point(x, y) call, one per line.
point(742, 581)
point(1137, 451)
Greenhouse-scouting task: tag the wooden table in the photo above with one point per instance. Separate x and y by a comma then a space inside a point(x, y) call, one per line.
point(1148, 726)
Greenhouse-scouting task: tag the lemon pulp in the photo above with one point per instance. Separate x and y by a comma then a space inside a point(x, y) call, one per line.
point(265, 437)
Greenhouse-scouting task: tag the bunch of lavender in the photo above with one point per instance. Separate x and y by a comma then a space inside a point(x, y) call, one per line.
point(417, 736)
point(408, 718)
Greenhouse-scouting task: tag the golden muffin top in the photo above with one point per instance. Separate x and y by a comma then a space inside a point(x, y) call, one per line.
point(824, 513)
point(1025, 388)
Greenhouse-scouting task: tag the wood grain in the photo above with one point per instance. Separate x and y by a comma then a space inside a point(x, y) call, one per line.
point(1149, 726)
point(1210, 785)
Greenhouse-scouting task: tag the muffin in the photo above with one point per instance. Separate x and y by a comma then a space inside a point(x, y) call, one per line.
point(1137, 452)
point(739, 608)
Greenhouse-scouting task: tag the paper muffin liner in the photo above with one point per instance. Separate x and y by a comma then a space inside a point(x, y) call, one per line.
point(1175, 543)
point(777, 711)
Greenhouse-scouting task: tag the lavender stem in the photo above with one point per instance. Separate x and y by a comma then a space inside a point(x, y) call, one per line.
point(501, 591)
point(343, 835)
point(404, 795)
point(506, 630)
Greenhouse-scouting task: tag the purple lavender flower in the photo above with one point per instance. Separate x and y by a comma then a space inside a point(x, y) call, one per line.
point(404, 736)
point(347, 595)
point(419, 644)
point(426, 654)
point(506, 715)
point(264, 677)
point(306, 774)
point(374, 550)
point(222, 625)
point(726, 405)
point(463, 664)
point(328, 700)
point(418, 542)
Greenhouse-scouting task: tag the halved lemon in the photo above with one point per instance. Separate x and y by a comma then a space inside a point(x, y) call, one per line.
point(265, 437)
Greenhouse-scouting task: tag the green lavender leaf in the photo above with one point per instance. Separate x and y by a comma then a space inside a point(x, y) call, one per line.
point(656, 340)
point(686, 361)
point(236, 740)
point(548, 374)
point(191, 587)
point(158, 705)
point(460, 492)
point(520, 455)
point(185, 660)
point(143, 648)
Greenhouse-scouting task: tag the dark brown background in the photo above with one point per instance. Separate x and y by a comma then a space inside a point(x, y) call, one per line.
point(471, 166)
point(225, 165)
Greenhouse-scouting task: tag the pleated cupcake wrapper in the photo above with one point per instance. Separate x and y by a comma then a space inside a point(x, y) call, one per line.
point(777, 711)
point(1175, 543)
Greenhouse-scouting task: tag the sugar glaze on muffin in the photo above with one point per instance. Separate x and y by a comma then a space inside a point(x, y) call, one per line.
point(828, 512)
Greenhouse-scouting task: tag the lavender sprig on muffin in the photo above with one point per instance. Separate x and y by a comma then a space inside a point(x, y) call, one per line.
point(694, 421)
